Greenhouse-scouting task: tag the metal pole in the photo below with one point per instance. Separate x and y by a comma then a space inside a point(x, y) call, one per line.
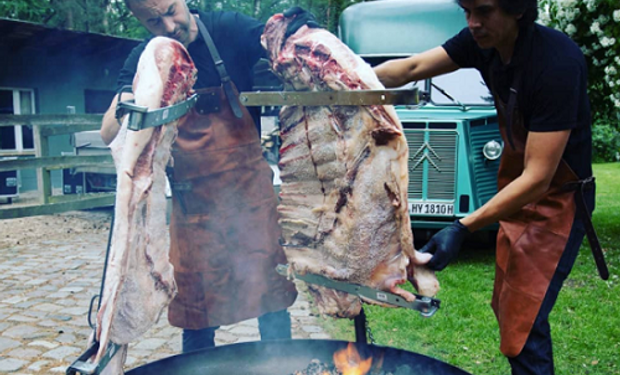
point(360, 328)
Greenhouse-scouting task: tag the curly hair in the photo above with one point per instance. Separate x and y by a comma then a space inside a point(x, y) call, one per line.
point(529, 9)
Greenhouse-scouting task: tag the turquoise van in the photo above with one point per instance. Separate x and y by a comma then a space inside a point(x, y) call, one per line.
point(454, 140)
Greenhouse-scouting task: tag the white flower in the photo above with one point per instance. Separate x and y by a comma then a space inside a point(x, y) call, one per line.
point(570, 29)
point(544, 18)
point(617, 15)
point(612, 84)
point(607, 42)
point(595, 28)
point(617, 103)
point(595, 61)
point(602, 19)
point(591, 5)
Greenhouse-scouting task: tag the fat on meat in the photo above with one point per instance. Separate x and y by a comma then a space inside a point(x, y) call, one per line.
point(139, 280)
point(344, 172)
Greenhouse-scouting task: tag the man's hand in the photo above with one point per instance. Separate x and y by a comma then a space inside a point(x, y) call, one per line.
point(300, 17)
point(445, 245)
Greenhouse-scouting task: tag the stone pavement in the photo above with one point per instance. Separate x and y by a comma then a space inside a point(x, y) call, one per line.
point(45, 290)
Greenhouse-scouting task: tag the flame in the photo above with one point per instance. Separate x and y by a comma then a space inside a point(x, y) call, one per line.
point(349, 362)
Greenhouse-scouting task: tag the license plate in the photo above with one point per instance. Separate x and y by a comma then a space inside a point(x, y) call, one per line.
point(439, 209)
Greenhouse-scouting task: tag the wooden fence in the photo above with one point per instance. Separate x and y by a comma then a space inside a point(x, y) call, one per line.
point(45, 126)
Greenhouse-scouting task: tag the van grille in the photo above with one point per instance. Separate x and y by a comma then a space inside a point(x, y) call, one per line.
point(485, 171)
point(432, 154)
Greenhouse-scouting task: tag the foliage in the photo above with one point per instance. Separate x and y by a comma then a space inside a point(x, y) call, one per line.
point(595, 26)
point(327, 12)
point(112, 17)
point(605, 142)
point(585, 322)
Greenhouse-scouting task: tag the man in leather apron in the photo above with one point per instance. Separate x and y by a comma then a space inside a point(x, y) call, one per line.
point(223, 232)
point(546, 192)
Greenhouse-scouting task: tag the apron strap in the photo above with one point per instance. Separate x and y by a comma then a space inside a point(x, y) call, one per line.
point(512, 103)
point(579, 187)
point(221, 69)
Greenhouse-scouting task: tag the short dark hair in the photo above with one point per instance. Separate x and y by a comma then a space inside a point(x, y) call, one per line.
point(529, 9)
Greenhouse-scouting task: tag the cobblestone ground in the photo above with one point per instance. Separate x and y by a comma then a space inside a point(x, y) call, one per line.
point(50, 267)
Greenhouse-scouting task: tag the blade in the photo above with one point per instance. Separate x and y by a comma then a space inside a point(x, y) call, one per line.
point(319, 98)
point(427, 306)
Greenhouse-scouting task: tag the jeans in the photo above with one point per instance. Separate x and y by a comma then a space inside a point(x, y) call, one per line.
point(272, 326)
point(536, 358)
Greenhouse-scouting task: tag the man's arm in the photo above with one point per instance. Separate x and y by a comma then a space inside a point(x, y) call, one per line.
point(398, 72)
point(543, 152)
point(109, 125)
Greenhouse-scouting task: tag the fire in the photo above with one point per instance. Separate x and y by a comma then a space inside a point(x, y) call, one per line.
point(349, 362)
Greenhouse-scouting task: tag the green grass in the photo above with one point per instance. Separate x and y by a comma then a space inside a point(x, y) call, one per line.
point(585, 322)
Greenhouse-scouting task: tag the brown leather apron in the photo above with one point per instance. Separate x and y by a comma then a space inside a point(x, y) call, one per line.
point(224, 231)
point(529, 242)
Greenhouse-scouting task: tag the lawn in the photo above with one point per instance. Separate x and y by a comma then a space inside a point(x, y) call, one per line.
point(585, 322)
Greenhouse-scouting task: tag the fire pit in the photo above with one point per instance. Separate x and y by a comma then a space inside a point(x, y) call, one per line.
point(289, 356)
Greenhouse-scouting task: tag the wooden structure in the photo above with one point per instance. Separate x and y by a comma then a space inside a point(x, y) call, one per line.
point(45, 126)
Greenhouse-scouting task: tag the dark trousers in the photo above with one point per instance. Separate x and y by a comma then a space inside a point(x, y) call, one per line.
point(536, 358)
point(272, 326)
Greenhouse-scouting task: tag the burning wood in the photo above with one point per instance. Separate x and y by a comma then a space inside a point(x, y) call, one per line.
point(349, 362)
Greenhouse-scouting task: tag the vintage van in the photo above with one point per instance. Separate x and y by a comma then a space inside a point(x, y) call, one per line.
point(454, 141)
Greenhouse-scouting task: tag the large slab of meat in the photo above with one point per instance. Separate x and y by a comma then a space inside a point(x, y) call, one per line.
point(139, 281)
point(344, 175)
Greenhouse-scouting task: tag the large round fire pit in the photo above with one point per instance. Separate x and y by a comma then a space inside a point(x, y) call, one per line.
point(287, 356)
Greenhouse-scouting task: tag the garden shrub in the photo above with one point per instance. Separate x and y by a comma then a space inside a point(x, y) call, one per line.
point(595, 26)
point(605, 142)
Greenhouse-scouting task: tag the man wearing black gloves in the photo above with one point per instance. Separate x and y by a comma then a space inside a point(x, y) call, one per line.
point(538, 78)
point(223, 231)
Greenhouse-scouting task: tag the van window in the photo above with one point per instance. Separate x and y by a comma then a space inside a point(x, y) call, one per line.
point(464, 85)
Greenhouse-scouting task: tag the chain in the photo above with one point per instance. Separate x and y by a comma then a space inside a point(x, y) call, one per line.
point(368, 330)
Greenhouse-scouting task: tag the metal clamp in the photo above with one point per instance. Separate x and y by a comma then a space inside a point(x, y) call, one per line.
point(427, 306)
point(140, 117)
point(82, 365)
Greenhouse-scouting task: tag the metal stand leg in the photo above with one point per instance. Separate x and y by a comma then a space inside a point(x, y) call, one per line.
point(360, 328)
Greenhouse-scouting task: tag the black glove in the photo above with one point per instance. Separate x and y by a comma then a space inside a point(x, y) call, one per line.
point(445, 245)
point(301, 17)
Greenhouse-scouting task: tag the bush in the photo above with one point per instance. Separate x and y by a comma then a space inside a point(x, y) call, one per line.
point(595, 26)
point(605, 142)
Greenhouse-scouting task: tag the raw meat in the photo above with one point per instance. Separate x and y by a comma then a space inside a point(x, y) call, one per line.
point(139, 281)
point(344, 175)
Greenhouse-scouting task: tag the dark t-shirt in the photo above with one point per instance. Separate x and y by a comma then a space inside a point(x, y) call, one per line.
point(553, 89)
point(237, 38)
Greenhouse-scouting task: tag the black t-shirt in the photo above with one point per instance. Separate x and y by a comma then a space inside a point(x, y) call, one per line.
point(553, 89)
point(237, 38)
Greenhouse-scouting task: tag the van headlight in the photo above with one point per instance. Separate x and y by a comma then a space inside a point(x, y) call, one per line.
point(492, 150)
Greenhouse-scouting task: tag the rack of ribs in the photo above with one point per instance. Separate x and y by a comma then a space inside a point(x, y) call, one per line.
point(344, 173)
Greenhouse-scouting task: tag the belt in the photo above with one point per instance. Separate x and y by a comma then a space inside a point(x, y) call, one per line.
point(579, 187)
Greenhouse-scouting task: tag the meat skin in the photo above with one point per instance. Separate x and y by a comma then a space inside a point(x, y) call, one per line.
point(344, 174)
point(139, 281)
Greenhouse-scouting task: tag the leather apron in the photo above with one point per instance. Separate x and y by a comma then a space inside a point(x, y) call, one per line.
point(224, 231)
point(530, 242)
